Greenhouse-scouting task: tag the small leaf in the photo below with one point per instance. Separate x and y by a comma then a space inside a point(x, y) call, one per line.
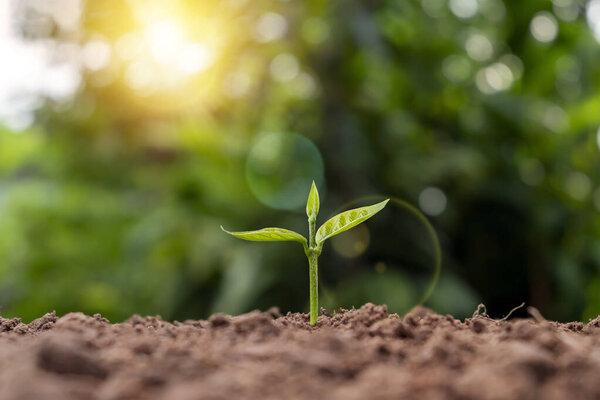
point(269, 235)
point(346, 220)
point(312, 205)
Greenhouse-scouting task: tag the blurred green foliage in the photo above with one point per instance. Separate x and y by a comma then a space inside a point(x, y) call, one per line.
point(111, 201)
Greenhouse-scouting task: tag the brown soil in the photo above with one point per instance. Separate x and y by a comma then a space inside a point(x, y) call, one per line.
point(355, 354)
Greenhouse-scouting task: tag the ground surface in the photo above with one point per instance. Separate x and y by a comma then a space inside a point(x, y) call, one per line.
point(356, 354)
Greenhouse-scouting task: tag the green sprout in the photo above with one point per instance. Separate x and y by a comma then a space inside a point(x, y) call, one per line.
point(312, 248)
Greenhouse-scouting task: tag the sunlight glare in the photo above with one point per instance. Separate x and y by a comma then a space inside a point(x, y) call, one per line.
point(169, 47)
point(165, 40)
point(194, 58)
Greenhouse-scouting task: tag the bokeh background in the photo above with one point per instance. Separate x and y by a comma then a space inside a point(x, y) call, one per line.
point(131, 129)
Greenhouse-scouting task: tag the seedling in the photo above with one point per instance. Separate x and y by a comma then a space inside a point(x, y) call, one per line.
point(312, 248)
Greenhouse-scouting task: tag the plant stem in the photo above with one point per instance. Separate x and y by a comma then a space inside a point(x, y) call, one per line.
point(313, 256)
point(312, 225)
point(312, 253)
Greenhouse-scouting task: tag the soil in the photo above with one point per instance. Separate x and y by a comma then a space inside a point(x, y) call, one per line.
point(354, 354)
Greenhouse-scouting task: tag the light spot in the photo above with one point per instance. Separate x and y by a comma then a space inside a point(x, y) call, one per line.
point(432, 201)
point(598, 137)
point(456, 68)
point(544, 27)
point(578, 185)
point(271, 26)
point(555, 119)
point(565, 10)
point(464, 8)
point(479, 47)
point(96, 55)
point(284, 67)
point(593, 17)
point(499, 76)
point(495, 78)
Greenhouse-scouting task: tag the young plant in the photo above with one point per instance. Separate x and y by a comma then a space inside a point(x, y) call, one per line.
point(312, 248)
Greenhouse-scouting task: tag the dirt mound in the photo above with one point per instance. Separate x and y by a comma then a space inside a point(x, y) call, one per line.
point(354, 354)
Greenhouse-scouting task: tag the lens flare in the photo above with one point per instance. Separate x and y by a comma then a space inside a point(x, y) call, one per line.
point(280, 168)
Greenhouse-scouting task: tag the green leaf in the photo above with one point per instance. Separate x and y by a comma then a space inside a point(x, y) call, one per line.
point(269, 235)
point(312, 204)
point(346, 220)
